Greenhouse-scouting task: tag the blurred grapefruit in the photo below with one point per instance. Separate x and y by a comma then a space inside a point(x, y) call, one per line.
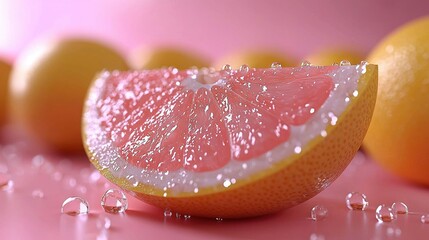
point(330, 56)
point(5, 69)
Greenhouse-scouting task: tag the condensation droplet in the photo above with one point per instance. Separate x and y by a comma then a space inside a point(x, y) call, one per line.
point(227, 68)
point(244, 69)
point(38, 161)
point(37, 193)
point(6, 184)
point(227, 183)
point(186, 216)
point(178, 215)
point(424, 218)
point(114, 201)
point(318, 212)
point(305, 63)
point(75, 206)
point(219, 219)
point(356, 201)
point(276, 65)
point(323, 133)
point(393, 232)
point(400, 208)
point(168, 213)
point(345, 63)
point(103, 223)
point(384, 213)
point(297, 150)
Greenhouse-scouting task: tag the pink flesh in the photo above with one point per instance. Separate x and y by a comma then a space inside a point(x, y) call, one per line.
point(158, 124)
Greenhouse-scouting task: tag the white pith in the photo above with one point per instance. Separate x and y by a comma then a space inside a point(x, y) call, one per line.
point(345, 80)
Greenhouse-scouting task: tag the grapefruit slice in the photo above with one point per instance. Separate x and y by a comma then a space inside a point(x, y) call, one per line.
point(230, 143)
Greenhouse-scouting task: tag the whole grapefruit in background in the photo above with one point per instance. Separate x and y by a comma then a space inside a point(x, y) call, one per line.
point(230, 143)
point(166, 56)
point(330, 56)
point(255, 59)
point(48, 87)
point(398, 137)
point(5, 69)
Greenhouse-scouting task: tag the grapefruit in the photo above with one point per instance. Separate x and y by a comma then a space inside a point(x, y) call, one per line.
point(255, 59)
point(229, 143)
point(5, 69)
point(48, 87)
point(330, 56)
point(166, 56)
point(399, 133)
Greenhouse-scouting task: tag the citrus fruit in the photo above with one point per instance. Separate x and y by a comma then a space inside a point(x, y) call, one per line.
point(166, 56)
point(399, 133)
point(48, 87)
point(5, 69)
point(255, 59)
point(330, 56)
point(229, 143)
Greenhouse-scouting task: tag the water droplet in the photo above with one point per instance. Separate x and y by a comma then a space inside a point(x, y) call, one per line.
point(355, 93)
point(400, 208)
point(424, 218)
point(75, 206)
point(315, 236)
point(186, 216)
point(114, 201)
point(57, 176)
point(178, 215)
point(276, 65)
point(168, 213)
point(37, 161)
point(384, 213)
point(227, 68)
point(393, 232)
point(94, 176)
point(219, 219)
point(297, 150)
point(305, 63)
point(323, 133)
point(6, 184)
point(319, 212)
point(356, 201)
point(244, 69)
point(345, 63)
point(37, 193)
point(103, 223)
point(227, 183)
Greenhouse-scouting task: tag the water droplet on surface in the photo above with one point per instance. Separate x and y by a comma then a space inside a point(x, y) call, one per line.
point(393, 232)
point(37, 193)
point(219, 219)
point(6, 183)
point(356, 201)
point(424, 218)
point(37, 161)
point(186, 216)
point(178, 215)
point(168, 213)
point(297, 150)
point(384, 213)
point(318, 212)
point(103, 223)
point(305, 63)
point(276, 65)
point(244, 69)
point(345, 63)
point(114, 201)
point(75, 206)
point(400, 208)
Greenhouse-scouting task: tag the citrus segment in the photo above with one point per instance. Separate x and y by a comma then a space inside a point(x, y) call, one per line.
point(229, 143)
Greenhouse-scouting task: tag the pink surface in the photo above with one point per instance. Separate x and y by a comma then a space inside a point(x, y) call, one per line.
point(23, 216)
point(212, 27)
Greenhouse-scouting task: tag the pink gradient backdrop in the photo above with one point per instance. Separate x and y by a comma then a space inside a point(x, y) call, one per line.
point(212, 27)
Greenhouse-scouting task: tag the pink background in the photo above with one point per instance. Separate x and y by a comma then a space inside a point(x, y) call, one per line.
point(211, 27)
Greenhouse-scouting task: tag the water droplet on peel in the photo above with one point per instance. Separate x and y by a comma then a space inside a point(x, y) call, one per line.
point(276, 65)
point(103, 223)
point(114, 201)
point(6, 184)
point(297, 150)
point(356, 201)
point(244, 69)
point(345, 63)
point(37, 193)
point(384, 213)
point(75, 206)
point(400, 208)
point(424, 218)
point(178, 215)
point(168, 213)
point(219, 219)
point(305, 63)
point(318, 212)
point(186, 216)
